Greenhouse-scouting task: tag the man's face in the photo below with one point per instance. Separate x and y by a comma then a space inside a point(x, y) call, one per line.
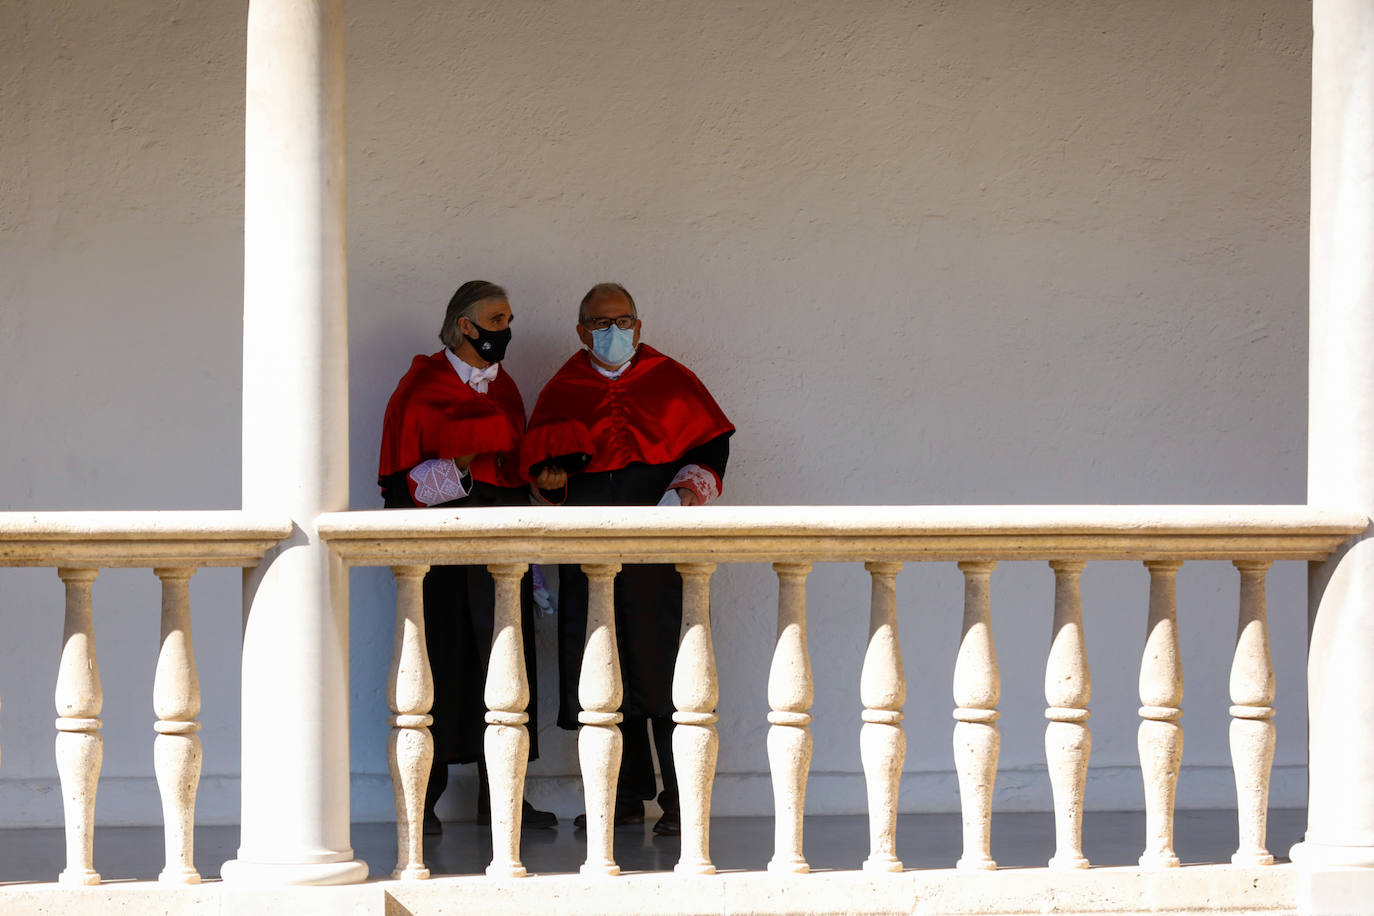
point(492, 315)
point(612, 306)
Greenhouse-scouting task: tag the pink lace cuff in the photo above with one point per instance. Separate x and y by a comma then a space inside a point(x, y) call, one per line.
point(701, 481)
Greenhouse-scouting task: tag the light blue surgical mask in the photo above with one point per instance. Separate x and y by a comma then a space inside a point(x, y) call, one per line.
point(613, 346)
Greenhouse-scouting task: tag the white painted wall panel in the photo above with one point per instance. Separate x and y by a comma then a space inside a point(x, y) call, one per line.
point(923, 253)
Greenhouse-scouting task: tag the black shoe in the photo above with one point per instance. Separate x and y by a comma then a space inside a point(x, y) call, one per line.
point(670, 824)
point(531, 818)
point(627, 814)
point(432, 825)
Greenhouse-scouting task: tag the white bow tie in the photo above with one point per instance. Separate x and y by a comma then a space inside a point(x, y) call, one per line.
point(479, 378)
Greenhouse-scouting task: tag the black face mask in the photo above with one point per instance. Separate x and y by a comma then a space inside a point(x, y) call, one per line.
point(490, 345)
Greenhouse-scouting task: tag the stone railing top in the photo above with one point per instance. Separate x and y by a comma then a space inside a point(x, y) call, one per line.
point(142, 539)
point(835, 533)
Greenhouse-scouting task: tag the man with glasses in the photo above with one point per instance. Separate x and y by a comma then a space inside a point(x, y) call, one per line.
point(621, 424)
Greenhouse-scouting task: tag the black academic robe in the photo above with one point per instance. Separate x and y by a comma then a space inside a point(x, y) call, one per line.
point(460, 604)
point(648, 597)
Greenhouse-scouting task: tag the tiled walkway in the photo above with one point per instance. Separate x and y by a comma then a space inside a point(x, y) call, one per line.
point(923, 841)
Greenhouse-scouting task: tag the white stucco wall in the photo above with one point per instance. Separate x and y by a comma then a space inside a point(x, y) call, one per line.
point(922, 253)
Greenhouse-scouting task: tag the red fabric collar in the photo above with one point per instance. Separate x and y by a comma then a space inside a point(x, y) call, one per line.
point(434, 414)
point(654, 413)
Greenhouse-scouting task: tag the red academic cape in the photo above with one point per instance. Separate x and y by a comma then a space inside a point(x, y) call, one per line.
point(435, 414)
point(654, 413)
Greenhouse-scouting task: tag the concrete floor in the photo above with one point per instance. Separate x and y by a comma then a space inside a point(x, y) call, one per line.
point(923, 841)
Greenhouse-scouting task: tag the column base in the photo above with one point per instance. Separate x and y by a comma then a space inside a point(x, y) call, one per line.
point(506, 870)
point(1067, 863)
point(1311, 855)
point(316, 874)
point(179, 875)
point(976, 863)
point(882, 864)
point(1155, 861)
point(1325, 891)
point(599, 870)
point(1252, 858)
point(694, 868)
point(788, 866)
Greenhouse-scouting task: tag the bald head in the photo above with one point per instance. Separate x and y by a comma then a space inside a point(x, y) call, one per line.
point(603, 291)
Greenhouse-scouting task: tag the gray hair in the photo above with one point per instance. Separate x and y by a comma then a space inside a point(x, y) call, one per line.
point(605, 289)
point(464, 305)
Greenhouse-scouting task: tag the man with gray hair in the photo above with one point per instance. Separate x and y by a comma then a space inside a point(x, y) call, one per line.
point(621, 424)
point(451, 438)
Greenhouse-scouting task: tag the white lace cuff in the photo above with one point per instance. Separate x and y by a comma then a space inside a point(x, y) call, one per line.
point(435, 481)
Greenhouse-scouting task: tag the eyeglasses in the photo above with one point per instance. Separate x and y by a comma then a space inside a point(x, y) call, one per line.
point(624, 322)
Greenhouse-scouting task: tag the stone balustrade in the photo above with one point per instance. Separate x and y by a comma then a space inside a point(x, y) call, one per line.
point(793, 539)
point(173, 545)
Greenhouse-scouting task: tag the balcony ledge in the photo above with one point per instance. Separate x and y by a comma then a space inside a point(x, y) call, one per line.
point(836, 533)
point(139, 539)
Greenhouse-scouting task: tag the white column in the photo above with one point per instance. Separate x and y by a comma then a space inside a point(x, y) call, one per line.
point(295, 771)
point(1340, 436)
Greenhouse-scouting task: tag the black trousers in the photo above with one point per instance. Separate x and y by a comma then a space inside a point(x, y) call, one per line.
point(648, 612)
point(648, 620)
point(637, 781)
point(460, 616)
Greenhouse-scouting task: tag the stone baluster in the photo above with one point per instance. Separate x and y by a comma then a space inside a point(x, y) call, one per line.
point(790, 692)
point(410, 746)
point(599, 742)
point(1160, 737)
point(977, 742)
point(79, 745)
point(1068, 738)
point(695, 742)
point(882, 743)
point(176, 749)
point(1252, 711)
point(507, 740)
